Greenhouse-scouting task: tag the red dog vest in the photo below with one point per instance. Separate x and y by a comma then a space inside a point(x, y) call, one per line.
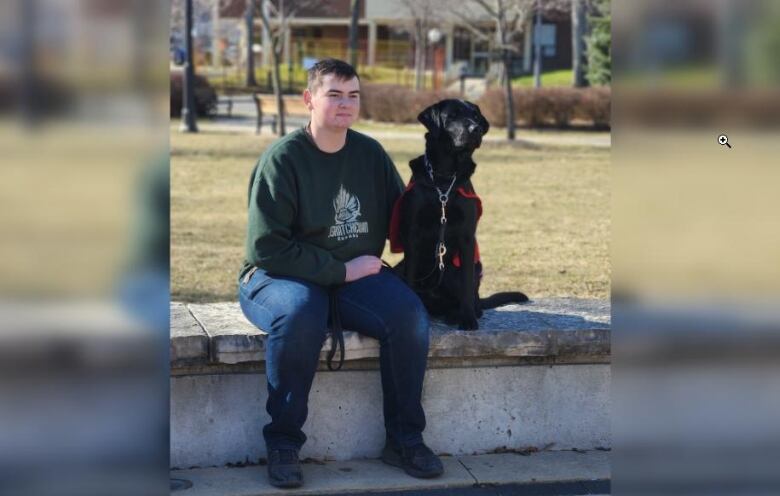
point(395, 223)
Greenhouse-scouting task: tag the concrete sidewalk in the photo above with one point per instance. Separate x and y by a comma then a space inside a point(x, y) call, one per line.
point(547, 472)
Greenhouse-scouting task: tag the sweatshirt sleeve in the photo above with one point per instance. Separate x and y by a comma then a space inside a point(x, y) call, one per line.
point(270, 241)
point(394, 186)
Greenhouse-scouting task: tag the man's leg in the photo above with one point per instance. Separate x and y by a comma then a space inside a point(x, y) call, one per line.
point(294, 314)
point(382, 306)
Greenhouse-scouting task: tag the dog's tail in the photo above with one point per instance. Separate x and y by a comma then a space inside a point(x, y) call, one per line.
point(498, 299)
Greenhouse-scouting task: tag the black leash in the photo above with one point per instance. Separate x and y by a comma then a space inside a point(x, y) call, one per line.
point(336, 332)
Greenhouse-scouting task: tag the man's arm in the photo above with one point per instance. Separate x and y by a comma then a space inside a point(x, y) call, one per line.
point(270, 242)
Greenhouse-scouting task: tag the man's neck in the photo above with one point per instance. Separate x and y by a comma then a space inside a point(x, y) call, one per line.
point(327, 140)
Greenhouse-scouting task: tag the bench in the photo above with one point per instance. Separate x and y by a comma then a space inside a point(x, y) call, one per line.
point(228, 103)
point(534, 375)
point(266, 105)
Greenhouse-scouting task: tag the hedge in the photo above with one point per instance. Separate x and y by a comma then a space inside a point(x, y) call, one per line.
point(544, 107)
point(550, 107)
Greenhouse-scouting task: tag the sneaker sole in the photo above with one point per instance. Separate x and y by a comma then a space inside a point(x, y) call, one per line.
point(285, 484)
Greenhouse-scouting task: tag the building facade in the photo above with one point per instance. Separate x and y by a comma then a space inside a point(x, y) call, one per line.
point(386, 37)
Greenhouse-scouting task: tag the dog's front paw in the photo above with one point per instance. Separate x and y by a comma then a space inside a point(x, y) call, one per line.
point(468, 324)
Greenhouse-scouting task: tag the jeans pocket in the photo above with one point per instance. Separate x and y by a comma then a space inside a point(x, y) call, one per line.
point(254, 281)
point(256, 313)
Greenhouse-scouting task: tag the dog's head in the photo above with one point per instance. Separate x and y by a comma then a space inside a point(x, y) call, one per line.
point(458, 122)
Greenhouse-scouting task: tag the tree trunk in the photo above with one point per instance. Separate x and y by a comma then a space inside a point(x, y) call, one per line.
point(506, 58)
point(499, 68)
point(538, 46)
point(188, 112)
point(278, 91)
point(353, 33)
point(509, 97)
point(275, 56)
point(579, 28)
point(250, 41)
point(419, 56)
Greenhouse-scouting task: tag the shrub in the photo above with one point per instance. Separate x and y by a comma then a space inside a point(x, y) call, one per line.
point(555, 106)
point(392, 103)
point(595, 105)
point(491, 103)
point(205, 95)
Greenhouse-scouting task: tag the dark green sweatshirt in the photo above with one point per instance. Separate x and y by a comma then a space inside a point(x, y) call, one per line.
point(311, 211)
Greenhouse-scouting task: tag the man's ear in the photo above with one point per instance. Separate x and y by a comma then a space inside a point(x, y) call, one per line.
point(431, 119)
point(307, 98)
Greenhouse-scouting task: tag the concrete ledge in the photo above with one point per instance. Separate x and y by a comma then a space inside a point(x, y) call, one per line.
point(567, 329)
point(534, 376)
point(189, 341)
point(218, 419)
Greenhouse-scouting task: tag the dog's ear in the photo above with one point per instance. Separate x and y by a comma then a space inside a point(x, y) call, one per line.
point(481, 119)
point(431, 119)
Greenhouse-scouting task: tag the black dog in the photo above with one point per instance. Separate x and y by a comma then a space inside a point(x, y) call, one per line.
point(435, 221)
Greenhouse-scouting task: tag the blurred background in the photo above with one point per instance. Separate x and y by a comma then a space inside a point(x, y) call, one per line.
point(84, 247)
point(695, 247)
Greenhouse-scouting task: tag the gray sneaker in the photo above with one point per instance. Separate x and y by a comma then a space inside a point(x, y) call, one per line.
point(284, 469)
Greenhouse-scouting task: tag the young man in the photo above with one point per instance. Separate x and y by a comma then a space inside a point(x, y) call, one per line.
point(320, 202)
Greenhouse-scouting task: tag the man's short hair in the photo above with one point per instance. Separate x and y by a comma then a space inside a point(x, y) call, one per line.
point(340, 69)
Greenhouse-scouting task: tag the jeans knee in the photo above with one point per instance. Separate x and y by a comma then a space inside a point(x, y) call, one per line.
point(288, 312)
point(303, 322)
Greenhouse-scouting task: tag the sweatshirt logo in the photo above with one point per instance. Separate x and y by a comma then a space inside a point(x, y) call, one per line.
point(346, 207)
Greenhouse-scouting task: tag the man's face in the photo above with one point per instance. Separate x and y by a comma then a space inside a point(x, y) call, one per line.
point(335, 103)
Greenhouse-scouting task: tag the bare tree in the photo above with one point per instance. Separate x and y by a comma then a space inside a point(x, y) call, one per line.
point(276, 18)
point(510, 18)
point(424, 15)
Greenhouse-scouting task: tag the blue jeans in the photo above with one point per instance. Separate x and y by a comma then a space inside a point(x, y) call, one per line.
point(294, 313)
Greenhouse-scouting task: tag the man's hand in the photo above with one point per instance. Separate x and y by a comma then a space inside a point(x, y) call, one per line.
point(363, 266)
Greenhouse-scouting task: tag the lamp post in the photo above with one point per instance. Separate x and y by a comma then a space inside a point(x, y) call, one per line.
point(434, 37)
point(188, 104)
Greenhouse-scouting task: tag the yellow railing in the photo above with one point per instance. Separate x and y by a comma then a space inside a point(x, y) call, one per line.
point(389, 53)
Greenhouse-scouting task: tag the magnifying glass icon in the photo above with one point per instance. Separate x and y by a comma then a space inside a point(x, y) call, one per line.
point(724, 140)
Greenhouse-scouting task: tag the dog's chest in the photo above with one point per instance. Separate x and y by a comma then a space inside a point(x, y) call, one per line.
point(429, 213)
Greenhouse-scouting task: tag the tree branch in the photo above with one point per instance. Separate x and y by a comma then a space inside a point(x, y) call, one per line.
point(467, 23)
point(487, 8)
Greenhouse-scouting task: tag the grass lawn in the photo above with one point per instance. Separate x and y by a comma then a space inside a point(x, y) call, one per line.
point(551, 78)
point(544, 230)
